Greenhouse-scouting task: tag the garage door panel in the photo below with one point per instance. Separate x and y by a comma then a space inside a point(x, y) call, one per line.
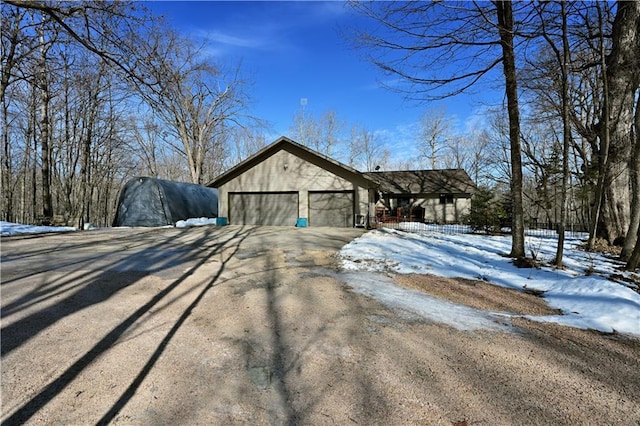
point(277, 209)
point(331, 209)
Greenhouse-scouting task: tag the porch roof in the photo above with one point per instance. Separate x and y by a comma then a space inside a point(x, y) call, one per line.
point(444, 181)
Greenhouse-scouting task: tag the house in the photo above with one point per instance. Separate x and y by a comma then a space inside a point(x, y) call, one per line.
point(288, 184)
point(434, 196)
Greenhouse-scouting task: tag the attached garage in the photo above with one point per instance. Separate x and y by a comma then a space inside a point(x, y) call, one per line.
point(263, 208)
point(288, 184)
point(331, 208)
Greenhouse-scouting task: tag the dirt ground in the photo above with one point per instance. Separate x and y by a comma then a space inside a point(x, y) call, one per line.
point(240, 325)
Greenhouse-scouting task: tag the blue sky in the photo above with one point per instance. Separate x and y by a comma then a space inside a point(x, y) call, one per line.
point(295, 50)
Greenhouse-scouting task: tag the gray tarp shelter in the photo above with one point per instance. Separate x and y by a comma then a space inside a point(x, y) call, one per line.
point(146, 201)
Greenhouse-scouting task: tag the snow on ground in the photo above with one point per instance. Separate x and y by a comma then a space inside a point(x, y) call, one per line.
point(200, 221)
point(589, 302)
point(382, 288)
point(9, 228)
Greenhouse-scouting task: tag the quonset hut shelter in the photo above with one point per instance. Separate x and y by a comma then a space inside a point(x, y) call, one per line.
point(146, 201)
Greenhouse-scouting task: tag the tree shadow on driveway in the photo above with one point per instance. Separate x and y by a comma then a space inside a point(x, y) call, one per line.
point(209, 244)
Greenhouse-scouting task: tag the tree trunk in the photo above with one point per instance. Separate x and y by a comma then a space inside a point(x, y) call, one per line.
point(34, 168)
point(47, 203)
point(566, 136)
point(632, 238)
point(634, 170)
point(6, 169)
point(602, 153)
point(505, 22)
point(634, 259)
point(85, 164)
point(622, 79)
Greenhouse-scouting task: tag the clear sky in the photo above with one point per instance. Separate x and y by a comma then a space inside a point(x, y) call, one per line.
point(295, 50)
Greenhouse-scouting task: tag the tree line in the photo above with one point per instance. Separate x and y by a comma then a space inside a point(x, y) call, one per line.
point(569, 75)
point(95, 93)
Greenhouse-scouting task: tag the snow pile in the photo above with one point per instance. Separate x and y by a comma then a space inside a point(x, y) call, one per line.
point(590, 302)
point(200, 221)
point(9, 228)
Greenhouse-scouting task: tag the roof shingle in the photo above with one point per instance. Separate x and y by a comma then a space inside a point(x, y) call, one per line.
point(455, 181)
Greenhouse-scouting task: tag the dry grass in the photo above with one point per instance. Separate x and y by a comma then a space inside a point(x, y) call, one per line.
point(478, 294)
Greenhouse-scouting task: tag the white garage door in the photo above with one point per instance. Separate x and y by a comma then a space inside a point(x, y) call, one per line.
point(264, 208)
point(331, 209)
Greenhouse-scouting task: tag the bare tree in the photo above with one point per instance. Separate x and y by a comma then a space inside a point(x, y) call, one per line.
point(197, 101)
point(435, 134)
point(634, 257)
point(622, 89)
point(321, 134)
point(557, 40)
point(367, 150)
point(413, 41)
point(10, 53)
point(621, 82)
point(244, 142)
point(110, 30)
point(61, 109)
point(479, 157)
point(19, 44)
point(59, 144)
point(45, 125)
point(506, 28)
point(147, 136)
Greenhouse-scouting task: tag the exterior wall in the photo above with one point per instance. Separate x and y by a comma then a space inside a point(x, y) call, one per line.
point(434, 211)
point(444, 213)
point(364, 205)
point(284, 171)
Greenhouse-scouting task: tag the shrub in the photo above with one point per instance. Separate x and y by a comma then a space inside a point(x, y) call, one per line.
point(487, 213)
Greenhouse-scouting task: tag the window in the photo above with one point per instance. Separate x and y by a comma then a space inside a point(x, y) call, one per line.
point(446, 198)
point(404, 202)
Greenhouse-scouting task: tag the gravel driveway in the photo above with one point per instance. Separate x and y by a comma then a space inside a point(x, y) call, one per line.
point(255, 325)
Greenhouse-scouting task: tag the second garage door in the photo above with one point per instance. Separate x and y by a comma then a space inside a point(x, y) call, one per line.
point(264, 208)
point(331, 209)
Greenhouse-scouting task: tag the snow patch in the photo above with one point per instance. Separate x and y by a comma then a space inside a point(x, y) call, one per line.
point(199, 221)
point(588, 302)
point(10, 228)
point(383, 289)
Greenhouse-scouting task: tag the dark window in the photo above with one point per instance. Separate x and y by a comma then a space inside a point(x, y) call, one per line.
point(446, 199)
point(404, 202)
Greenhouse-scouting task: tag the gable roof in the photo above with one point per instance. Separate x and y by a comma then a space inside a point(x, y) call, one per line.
point(455, 181)
point(284, 143)
point(451, 181)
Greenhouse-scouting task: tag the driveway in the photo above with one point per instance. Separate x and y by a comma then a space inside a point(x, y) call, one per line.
point(257, 325)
